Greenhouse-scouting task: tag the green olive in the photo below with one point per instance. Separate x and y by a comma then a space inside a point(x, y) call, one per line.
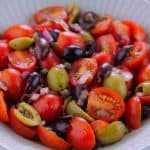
point(86, 36)
point(57, 78)
point(26, 114)
point(117, 83)
point(144, 87)
point(74, 110)
point(21, 43)
point(112, 133)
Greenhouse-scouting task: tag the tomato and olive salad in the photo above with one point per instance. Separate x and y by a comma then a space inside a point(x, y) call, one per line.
point(76, 79)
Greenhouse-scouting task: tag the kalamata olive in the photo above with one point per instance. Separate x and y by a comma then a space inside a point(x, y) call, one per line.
point(90, 48)
point(88, 20)
point(73, 52)
point(145, 111)
point(33, 82)
point(104, 71)
point(55, 33)
point(123, 53)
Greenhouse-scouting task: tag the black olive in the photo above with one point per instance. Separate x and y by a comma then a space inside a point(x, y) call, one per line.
point(73, 52)
point(88, 20)
point(90, 48)
point(104, 71)
point(123, 52)
point(145, 111)
point(55, 33)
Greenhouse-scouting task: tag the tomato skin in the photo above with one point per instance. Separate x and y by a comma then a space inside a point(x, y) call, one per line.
point(66, 39)
point(145, 99)
point(102, 104)
point(102, 27)
point(133, 113)
point(49, 107)
point(4, 51)
point(83, 71)
point(50, 60)
point(136, 55)
point(137, 31)
point(50, 13)
point(20, 128)
point(121, 32)
point(50, 139)
point(3, 108)
point(22, 60)
point(14, 83)
point(107, 43)
point(144, 74)
point(20, 30)
point(80, 134)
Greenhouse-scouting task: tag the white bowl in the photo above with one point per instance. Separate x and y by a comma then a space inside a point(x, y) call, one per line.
point(20, 11)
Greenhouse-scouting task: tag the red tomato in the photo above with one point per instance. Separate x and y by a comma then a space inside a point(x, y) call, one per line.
point(121, 32)
point(50, 139)
point(3, 108)
point(83, 71)
point(137, 31)
point(136, 55)
point(22, 60)
point(103, 26)
point(50, 60)
point(66, 39)
point(107, 43)
point(144, 74)
point(145, 99)
point(50, 13)
point(133, 113)
point(101, 58)
point(16, 31)
point(4, 51)
point(14, 83)
point(20, 128)
point(49, 107)
point(105, 104)
point(80, 134)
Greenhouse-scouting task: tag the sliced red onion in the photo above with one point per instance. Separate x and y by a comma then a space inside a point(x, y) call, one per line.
point(44, 91)
point(47, 36)
point(3, 86)
point(35, 97)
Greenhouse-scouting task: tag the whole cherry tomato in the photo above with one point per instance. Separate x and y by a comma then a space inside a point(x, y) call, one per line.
point(80, 134)
point(50, 13)
point(14, 83)
point(4, 51)
point(49, 107)
point(83, 71)
point(20, 30)
point(20, 128)
point(133, 113)
point(50, 139)
point(105, 104)
point(145, 99)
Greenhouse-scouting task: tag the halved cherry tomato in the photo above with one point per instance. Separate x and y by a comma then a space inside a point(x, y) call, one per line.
point(121, 32)
point(50, 139)
point(133, 113)
point(49, 107)
point(4, 51)
point(83, 71)
point(66, 39)
point(137, 31)
point(20, 128)
point(145, 99)
point(14, 82)
point(102, 57)
point(22, 60)
point(144, 74)
point(50, 60)
point(103, 26)
point(3, 108)
point(16, 31)
point(107, 43)
point(105, 104)
point(136, 55)
point(50, 13)
point(80, 134)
